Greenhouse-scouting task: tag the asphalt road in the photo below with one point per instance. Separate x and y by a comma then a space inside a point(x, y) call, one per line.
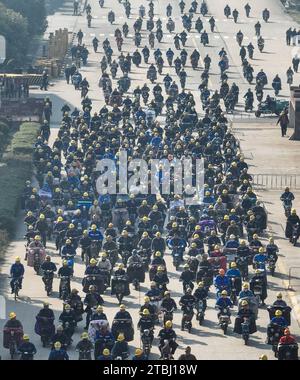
point(207, 341)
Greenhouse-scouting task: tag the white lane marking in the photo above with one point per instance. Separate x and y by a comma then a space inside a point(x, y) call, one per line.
point(226, 37)
point(225, 19)
point(217, 37)
point(255, 38)
point(164, 18)
point(111, 35)
point(197, 37)
point(2, 308)
point(92, 34)
point(216, 19)
point(169, 35)
point(246, 38)
point(95, 16)
point(130, 35)
point(101, 34)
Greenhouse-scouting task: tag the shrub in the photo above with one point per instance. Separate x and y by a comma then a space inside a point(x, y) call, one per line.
point(23, 141)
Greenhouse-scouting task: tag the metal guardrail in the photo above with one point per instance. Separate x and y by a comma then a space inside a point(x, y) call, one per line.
point(276, 181)
point(290, 278)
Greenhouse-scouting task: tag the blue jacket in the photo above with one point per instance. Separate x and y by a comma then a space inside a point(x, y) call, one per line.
point(96, 235)
point(17, 270)
point(58, 355)
point(233, 273)
point(232, 244)
point(281, 321)
point(68, 250)
point(246, 293)
point(221, 282)
point(224, 302)
point(102, 357)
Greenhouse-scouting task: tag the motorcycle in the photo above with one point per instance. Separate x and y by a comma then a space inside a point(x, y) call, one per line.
point(200, 312)
point(287, 205)
point(45, 328)
point(188, 314)
point(167, 315)
point(295, 234)
point(224, 319)
point(287, 351)
point(85, 354)
point(242, 264)
point(272, 264)
point(120, 284)
point(123, 326)
point(233, 295)
point(48, 280)
point(65, 287)
point(245, 330)
point(176, 255)
point(147, 338)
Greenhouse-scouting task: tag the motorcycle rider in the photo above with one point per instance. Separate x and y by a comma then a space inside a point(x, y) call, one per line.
point(120, 348)
point(139, 355)
point(65, 271)
point(279, 319)
point(16, 273)
point(235, 15)
point(221, 282)
point(287, 339)
point(58, 353)
point(187, 303)
point(84, 346)
point(92, 300)
point(27, 349)
point(257, 27)
point(167, 333)
point(146, 322)
point(201, 294)
point(259, 277)
point(292, 220)
point(223, 302)
point(247, 8)
point(245, 313)
point(187, 277)
point(279, 301)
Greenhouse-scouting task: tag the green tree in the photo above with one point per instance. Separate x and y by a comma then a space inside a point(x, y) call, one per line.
point(14, 27)
point(33, 10)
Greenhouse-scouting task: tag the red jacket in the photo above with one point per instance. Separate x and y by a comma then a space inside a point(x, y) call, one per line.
point(288, 339)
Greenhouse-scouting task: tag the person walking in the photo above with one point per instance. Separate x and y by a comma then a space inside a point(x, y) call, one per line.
point(283, 120)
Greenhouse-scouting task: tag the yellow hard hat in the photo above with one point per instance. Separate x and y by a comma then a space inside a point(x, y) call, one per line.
point(138, 352)
point(12, 315)
point(128, 223)
point(93, 261)
point(293, 211)
point(37, 237)
point(245, 285)
point(122, 307)
point(84, 335)
point(60, 219)
point(261, 250)
point(157, 254)
point(160, 269)
point(57, 345)
point(42, 216)
point(65, 262)
point(71, 225)
point(200, 284)
point(233, 265)
point(166, 293)
point(120, 266)
point(279, 295)
point(226, 217)
point(263, 357)
point(278, 313)
point(103, 254)
point(146, 299)
point(244, 303)
point(25, 337)
point(174, 225)
point(255, 236)
point(99, 309)
point(106, 352)
point(146, 312)
point(168, 324)
point(224, 293)
point(120, 338)
point(68, 241)
point(17, 259)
